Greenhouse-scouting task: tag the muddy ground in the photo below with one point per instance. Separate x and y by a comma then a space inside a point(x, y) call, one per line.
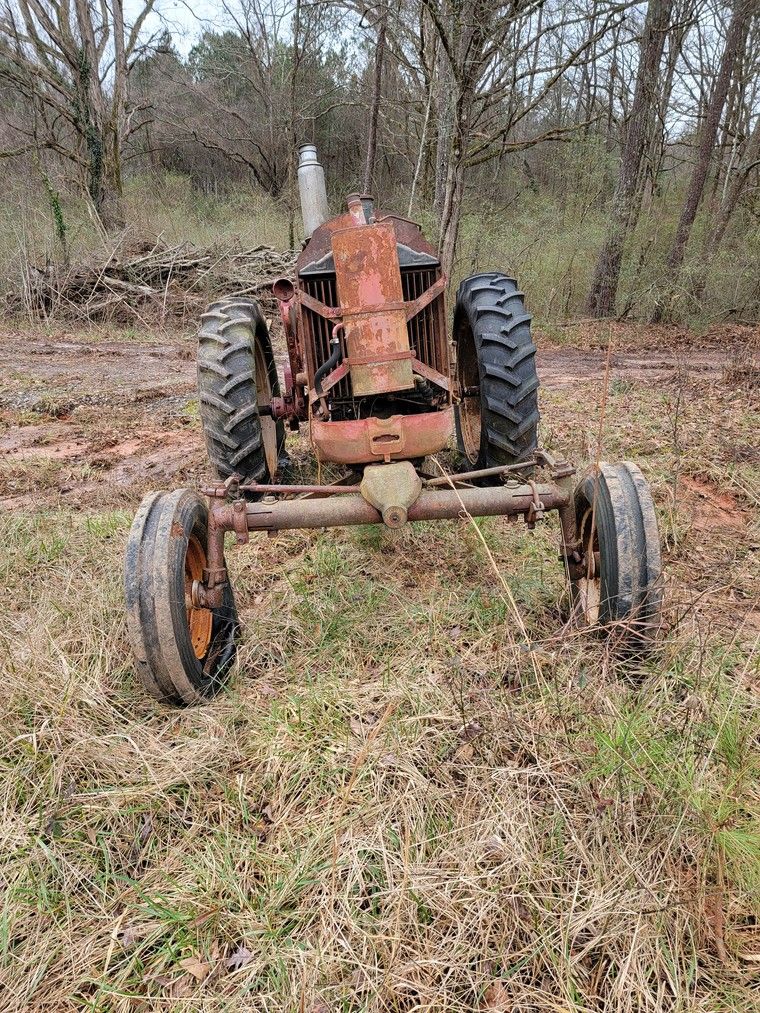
point(96, 418)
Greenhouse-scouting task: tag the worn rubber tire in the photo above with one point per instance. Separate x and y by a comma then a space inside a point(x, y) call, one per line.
point(228, 391)
point(626, 572)
point(167, 663)
point(494, 350)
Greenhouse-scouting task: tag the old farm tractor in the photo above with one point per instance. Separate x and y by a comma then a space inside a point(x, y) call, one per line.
point(373, 375)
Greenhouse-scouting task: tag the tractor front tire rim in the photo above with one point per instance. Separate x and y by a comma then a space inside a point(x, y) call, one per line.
point(200, 621)
point(589, 586)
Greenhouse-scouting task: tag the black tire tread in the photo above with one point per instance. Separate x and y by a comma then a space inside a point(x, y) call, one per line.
point(629, 544)
point(227, 394)
point(165, 662)
point(494, 307)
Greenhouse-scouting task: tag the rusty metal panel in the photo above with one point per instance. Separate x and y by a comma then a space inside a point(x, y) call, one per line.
point(319, 245)
point(400, 437)
point(371, 297)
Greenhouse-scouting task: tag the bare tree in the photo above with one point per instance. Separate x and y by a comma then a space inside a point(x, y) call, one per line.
point(735, 39)
point(374, 109)
point(735, 187)
point(73, 68)
point(260, 87)
point(453, 107)
point(601, 299)
point(487, 51)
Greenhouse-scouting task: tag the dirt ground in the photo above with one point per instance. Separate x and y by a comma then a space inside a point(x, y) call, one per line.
point(110, 415)
point(95, 420)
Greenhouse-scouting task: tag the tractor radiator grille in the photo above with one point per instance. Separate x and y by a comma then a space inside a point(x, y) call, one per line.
point(427, 330)
point(318, 331)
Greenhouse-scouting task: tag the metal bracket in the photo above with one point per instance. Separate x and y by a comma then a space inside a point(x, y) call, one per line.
point(557, 468)
point(428, 373)
point(212, 578)
point(240, 522)
point(207, 593)
point(536, 507)
point(391, 489)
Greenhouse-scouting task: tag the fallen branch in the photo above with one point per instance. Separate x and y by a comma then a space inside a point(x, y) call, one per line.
point(163, 281)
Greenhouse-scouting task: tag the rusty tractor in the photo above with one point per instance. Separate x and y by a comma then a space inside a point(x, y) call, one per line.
point(373, 376)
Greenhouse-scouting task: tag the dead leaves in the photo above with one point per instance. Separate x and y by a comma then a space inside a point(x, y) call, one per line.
point(131, 935)
point(496, 999)
point(468, 733)
point(194, 969)
point(240, 958)
point(495, 850)
point(198, 968)
point(465, 752)
point(361, 723)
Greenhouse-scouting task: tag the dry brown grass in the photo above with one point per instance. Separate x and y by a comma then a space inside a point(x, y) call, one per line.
point(396, 807)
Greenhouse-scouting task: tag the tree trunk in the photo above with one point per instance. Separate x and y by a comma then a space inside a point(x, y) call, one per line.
point(735, 189)
point(682, 21)
point(728, 206)
point(374, 109)
point(470, 29)
point(421, 155)
point(445, 127)
point(293, 140)
point(452, 208)
point(601, 298)
point(737, 31)
point(99, 125)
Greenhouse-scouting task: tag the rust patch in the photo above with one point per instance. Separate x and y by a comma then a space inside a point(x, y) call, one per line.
point(369, 287)
point(374, 439)
point(177, 531)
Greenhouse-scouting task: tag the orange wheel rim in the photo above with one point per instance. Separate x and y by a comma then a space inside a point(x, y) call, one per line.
point(199, 620)
point(590, 584)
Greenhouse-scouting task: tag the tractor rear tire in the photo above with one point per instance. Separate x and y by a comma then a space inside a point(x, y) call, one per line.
point(182, 654)
point(617, 584)
point(497, 418)
point(237, 374)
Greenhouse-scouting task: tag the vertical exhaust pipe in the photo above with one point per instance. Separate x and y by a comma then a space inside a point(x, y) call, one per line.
point(312, 190)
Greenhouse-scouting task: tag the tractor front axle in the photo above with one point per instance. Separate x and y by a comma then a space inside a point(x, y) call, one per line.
point(390, 501)
point(339, 511)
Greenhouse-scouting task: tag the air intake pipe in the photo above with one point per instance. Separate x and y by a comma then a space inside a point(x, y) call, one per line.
point(311, 186)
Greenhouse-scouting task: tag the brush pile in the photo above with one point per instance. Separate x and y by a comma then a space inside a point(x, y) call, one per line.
point(143, 281)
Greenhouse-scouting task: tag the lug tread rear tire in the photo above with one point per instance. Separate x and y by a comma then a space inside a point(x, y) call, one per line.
point(227, 393)
point(490, 312)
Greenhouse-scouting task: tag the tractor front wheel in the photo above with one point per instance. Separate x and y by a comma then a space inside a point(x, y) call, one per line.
point(182, 653)
point(617, 584)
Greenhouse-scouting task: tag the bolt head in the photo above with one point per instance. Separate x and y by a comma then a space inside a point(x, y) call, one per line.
point(394, 516)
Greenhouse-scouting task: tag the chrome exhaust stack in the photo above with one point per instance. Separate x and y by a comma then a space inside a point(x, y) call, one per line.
point(312, 189)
